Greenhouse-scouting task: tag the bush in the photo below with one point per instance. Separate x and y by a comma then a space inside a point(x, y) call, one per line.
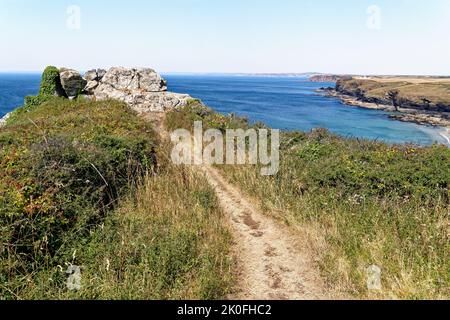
point(51, 83)
point(34, 101)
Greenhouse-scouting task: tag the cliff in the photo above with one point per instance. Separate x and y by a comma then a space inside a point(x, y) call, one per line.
point(420, 100)
point(326, 78)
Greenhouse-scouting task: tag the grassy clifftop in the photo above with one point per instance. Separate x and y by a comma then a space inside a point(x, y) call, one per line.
point(424, 93)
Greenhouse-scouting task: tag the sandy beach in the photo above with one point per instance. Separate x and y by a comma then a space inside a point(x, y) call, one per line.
point(446, 135)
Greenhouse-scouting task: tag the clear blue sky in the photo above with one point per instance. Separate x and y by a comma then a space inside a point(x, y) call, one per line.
point(229, 35)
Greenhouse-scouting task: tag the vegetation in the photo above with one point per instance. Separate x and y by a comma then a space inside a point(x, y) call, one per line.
point(196, 111)
point(87, 184)
point(51, 82)
point(358, 203)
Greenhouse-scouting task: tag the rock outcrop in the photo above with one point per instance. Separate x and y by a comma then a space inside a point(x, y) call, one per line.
point(72, 82)
point(93, 78)
point(142, 89)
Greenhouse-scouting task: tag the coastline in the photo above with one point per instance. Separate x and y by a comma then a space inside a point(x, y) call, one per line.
point(4, 119)
point(403, 114)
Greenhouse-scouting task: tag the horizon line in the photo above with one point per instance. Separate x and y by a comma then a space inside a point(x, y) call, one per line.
point(262, 73)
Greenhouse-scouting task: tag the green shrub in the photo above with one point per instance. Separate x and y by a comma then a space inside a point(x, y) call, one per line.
point(51, 83)
point(63, 166)
point(34, 101)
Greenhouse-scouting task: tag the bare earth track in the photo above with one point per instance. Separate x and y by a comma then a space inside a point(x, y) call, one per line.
point(271, 266)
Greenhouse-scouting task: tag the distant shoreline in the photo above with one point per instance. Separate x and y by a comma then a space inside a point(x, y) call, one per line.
point(405, 115)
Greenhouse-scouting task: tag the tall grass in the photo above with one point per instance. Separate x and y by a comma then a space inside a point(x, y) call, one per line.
point(88, 184)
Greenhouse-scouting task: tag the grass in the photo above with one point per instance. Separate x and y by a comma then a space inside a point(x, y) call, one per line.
point(88, 183)
point(358, 203)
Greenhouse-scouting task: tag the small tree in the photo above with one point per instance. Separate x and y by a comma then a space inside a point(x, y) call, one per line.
point(426, 102)
point(360, 94)
point(393, 96)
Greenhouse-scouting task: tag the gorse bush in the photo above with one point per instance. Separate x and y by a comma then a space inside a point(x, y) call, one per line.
point(197, 111)
point(63, 166)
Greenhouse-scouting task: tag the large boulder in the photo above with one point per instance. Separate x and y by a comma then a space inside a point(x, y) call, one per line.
point(142, 89)
point(72, 82)
point(143, 79)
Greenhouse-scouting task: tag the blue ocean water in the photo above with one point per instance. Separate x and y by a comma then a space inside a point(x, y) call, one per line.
point(281, 102)
point(292, 103)
point(14, 88)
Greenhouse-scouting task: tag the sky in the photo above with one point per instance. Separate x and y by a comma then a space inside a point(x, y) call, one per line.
point(228, 36)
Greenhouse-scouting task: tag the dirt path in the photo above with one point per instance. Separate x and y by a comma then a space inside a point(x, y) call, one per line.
point(270, 264)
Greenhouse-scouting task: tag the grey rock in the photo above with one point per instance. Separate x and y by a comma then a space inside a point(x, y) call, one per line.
point(144, 79)
point(72, 82)
point(91, 86)
point(100, 74)
point(90, 75)
point(94, 75)
point(143, 101)
point(93, 78)
point(142, 89)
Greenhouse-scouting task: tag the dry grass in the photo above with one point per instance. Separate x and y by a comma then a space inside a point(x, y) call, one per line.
point(350, 228)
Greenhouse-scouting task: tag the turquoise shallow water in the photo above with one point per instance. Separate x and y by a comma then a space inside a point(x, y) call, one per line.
point(281, 102)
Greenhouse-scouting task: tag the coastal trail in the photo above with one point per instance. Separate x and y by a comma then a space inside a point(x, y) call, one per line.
point(270, 263)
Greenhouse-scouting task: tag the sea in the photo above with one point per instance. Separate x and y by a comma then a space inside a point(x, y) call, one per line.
point(288, 103)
